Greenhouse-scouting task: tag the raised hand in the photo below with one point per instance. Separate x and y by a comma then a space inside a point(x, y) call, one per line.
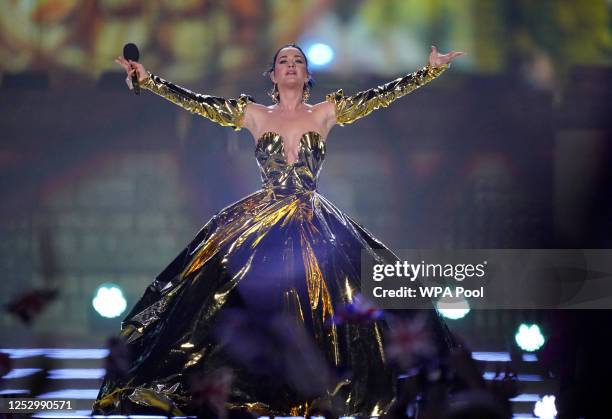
point(436, 59)
point(130, 67)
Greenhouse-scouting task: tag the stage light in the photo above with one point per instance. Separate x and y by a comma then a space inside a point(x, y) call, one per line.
point(76, 374)
point(20, 373)
point(529, 337)
point(109, 301)
point(71, 393)
point(453, 309)
point(319, 54)
point(11, 391)
point(525, 398)
point(545, 408)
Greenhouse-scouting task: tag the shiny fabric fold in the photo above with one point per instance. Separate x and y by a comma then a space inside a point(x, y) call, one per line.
point(226, 112)
point(351, 108)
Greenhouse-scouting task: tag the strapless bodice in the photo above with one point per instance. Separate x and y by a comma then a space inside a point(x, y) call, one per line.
point(278, 174)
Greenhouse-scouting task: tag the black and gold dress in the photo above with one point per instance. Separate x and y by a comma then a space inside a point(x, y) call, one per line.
point(284, 249)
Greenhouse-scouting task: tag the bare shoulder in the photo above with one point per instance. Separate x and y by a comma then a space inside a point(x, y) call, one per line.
point(258, 110)
point(325, 112)
point(254, 112)
point(254, 107)
point(324, 106)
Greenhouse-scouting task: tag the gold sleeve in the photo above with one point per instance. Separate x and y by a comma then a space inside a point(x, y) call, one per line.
point(351, 108)
point(226, 112)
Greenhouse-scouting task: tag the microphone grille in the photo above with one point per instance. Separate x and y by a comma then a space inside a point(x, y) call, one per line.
point(130, 52)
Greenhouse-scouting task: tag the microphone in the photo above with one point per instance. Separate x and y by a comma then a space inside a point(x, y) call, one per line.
point(130, 52)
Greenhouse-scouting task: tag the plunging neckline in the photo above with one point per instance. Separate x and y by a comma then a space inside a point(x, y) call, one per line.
point(283, 148)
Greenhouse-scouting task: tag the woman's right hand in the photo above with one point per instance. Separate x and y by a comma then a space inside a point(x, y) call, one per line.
point(130, 67)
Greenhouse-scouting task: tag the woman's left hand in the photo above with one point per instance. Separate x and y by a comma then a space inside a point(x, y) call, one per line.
point(436, 59)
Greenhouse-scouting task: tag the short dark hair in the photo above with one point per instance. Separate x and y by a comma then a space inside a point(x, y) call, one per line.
point(270, 69)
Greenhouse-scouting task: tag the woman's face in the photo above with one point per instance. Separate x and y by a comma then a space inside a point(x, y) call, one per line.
point(290, 68)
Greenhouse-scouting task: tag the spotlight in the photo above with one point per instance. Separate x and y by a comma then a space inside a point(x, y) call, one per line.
point(453, 309)
point(529, 337)
point(320, 55)
point(545, 408)
point(109, 301)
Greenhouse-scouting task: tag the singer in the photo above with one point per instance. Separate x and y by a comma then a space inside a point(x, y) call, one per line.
point(285, 251)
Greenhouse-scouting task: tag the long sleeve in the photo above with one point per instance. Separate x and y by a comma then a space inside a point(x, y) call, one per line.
point(351, 108)
point(226, 112)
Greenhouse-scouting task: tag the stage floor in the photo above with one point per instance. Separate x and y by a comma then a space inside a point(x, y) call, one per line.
point(76, 374)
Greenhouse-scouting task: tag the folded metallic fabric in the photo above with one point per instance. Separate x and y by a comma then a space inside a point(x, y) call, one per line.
point(226, 112)
point(351, 108)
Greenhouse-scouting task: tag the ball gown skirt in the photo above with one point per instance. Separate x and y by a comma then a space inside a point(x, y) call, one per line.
point(256, 289)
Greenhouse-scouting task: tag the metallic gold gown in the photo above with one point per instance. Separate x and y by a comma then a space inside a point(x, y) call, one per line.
point(284, 249)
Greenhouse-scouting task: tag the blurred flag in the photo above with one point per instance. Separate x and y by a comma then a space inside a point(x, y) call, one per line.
point(30, 304)
point(410, 341)
point(359, 310)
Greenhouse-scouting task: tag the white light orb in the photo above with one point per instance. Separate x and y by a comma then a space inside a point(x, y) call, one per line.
point(109, 301)
point(453, 308)
point(529, 337)
point(545, 408)
point(320, 54)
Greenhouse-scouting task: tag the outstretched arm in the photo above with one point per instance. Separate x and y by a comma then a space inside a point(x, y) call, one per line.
point(348, 109)
point(226, 112)
point(351, 108)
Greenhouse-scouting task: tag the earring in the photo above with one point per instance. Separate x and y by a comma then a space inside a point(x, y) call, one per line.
point(273, 93)
point(305, 93)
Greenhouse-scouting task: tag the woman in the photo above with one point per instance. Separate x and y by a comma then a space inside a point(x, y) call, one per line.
point(283, 249)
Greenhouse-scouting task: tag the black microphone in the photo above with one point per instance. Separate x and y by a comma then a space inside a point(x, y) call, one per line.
point(130, 52)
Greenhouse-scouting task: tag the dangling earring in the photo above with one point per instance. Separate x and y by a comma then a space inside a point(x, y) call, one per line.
point(274, 94)
point(306, 93)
